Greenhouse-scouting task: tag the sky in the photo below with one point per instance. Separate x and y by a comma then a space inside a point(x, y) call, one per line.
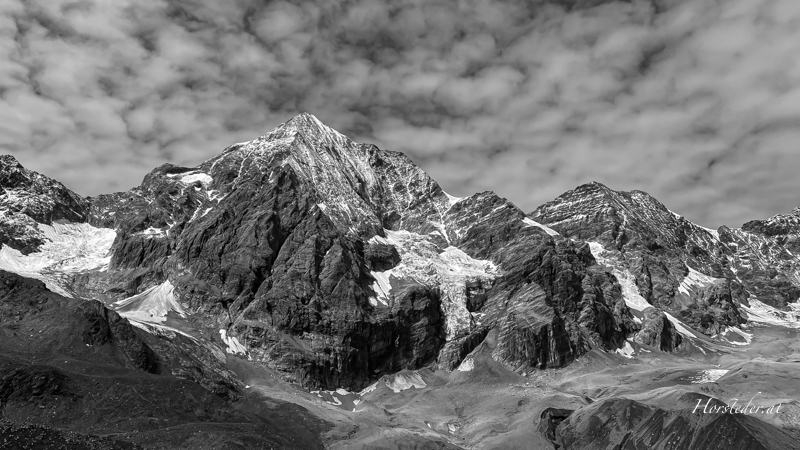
point(696, 102)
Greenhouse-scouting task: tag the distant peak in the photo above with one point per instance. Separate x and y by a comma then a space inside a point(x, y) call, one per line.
point(594, 186)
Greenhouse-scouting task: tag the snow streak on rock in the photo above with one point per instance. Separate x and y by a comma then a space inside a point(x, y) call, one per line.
point(626, 280)
point(534, 223)
point(682, 329)
point(695, 280)
point(426, 263)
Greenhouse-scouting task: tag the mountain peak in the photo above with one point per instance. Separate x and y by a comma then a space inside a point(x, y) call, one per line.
point(358, 186)
point(307, 119)
point(9, 161)
point(310, 127)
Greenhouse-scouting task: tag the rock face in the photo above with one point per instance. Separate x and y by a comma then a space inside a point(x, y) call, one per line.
point(657, 331)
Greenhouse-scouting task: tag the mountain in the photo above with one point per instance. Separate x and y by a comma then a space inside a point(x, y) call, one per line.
point(713, 281)
point(300, 268)
point(335, 262)
point(30, 198)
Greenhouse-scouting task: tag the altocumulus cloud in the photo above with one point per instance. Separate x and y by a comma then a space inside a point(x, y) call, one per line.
point(694, 101)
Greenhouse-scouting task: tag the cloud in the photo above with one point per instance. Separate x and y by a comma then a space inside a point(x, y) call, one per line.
point(696, 102)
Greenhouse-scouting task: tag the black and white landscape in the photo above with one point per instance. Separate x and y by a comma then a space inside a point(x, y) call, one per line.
point(442, 272)
point(301, 290)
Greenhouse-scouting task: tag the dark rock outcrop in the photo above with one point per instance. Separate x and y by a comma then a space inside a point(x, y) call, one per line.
point(549, 420)
point(628, 424)
point(657, 331)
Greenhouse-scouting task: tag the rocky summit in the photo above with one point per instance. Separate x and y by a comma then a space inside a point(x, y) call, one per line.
point(305, 273)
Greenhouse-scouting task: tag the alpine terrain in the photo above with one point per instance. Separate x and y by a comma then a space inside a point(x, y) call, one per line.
point(301, 290)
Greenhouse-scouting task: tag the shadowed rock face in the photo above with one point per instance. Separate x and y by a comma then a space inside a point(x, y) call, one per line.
point(74, 326)
point(74, 364)
point(657, 331)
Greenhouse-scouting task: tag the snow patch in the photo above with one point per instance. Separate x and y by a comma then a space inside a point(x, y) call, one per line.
point(234, 346)
point(160, 330)
point(682, 329)
point(708, 376)
point(368, 389)
point(193, 177)
point(341, 398)
point(451, 199)
point(215, 195)
point(467, 365)
point(533, 223)
point(150, 306)
point(630, 293)
point(714, 233)
point(153, 232)
point(695, 279)
point(626, 350)
point(382, 286)
point(403, 381)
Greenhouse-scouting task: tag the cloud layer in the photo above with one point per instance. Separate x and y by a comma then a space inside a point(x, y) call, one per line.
point(694, 101)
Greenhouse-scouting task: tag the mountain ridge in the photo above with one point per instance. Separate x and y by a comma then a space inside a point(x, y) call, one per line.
point(345, 195)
